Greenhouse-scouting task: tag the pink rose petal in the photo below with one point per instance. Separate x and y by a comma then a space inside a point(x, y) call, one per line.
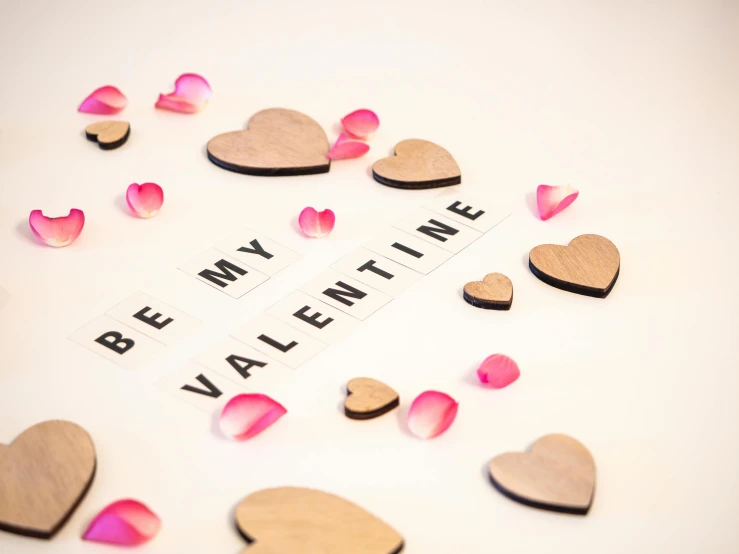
point(552, 200)
point(431, 414)
point(145, 200)
point(191, 94)
point(361, 124)
point(344, 149)
point(126, 522)
point(247, 415)
point(498, 371)
point(57, 231)
point(105, 100)
point(316, 224)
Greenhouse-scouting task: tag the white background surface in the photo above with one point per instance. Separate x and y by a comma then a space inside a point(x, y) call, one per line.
point(634, 103)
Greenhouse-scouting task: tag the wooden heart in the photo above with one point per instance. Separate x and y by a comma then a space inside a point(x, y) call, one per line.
point(44, 474)
point(589, 265)
point(276, 142)
point(494, 292)
point(558, 474)
point(291, 520)
point(417, 164)
point(108, 134)
point(369, 398)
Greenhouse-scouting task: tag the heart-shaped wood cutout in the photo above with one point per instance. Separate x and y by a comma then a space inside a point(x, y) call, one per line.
point(417, 164)
point(589, 265)
point(558, 474)
point(276, 142)
point(108, 134)
point(368, 398)
point(44, 474)
point(292, 519)
point(494, 292)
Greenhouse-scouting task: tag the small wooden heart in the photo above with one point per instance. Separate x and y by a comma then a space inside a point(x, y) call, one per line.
point(44, 474)
point(494, 292)
point(276, 142)
point(558, 474)
point(291, 519)
point(589, 265)
point(417, 164)
point(108, 134)
point(369, 398)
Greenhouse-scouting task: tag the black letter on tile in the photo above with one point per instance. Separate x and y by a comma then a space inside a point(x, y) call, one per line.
point(339, 295)
point(226, 267)
point(407, 250)
point(257, 250)
point(464, 212)
point(243, 370)
point(212, 389)
point(119, 345)
point(152, 320)
point(371, 266)
point(440, 228)
point(278, 345)
point(312, 319)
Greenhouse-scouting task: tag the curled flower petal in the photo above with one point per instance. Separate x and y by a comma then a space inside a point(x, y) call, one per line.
point(498, 371)
point(552, 200)
point(246, 415)
point(145, 200)
point(127, 522)
point(344, 149)
point(316, 224)
point(431, 414)
point(361, 123)
point(105, 100)
point(57, 231)
point(191, 94)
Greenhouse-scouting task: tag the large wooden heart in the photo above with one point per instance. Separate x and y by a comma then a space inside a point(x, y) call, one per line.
point(558, 474)
point(44, 474)
point(417, 164)
point(276, 142)
point(288, 520)
point(589, 265)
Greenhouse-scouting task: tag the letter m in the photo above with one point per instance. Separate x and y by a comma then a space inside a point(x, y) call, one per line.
point(225, 274)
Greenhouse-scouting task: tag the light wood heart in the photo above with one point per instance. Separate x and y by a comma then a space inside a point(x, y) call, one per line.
point(494, 292)
point(369, 398)
point(417, 164)
point(276, 142)
point(589, 265)
point(108, 134)
point(44, 474)
point(558, 474)
point(292, 520)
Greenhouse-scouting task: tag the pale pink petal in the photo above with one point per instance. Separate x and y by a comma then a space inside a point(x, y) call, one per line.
point(361, 123)
point(552, 200)
point(105, 100)
point(57, 231)
point(316, 224)
point(431, 414)
point(246, 415)
point(191, 94)
point(145, 200)
point(344, 149)
point(126, 522)
point(498, 371)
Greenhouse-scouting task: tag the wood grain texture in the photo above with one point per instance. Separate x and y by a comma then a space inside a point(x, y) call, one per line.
point(417, 164)
point(108, 134)
point(589, 265)
point(276, 142)
point(369, 398)
point(297, 520)
point(494, 292)
point(557, 474)
point(44, 474)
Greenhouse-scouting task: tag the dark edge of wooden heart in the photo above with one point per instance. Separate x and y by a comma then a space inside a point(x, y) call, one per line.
point(417, 185)
point(271, 171)
point(109, 145)
point(570, 287)
point(35, 533)
point(374, 413)
point(251, 540)
point(540, 505)
point(487, 304)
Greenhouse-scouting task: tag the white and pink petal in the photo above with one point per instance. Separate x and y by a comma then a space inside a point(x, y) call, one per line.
point(552, 200)
point(344, 149)
point(57, 231)
point(316, 224)
point(104, 100)
point(498, 371)
point(145, 200)
point(124, 522)
point(247, 415)
point(361, 124)
point(431, 413)
point(190, 95)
